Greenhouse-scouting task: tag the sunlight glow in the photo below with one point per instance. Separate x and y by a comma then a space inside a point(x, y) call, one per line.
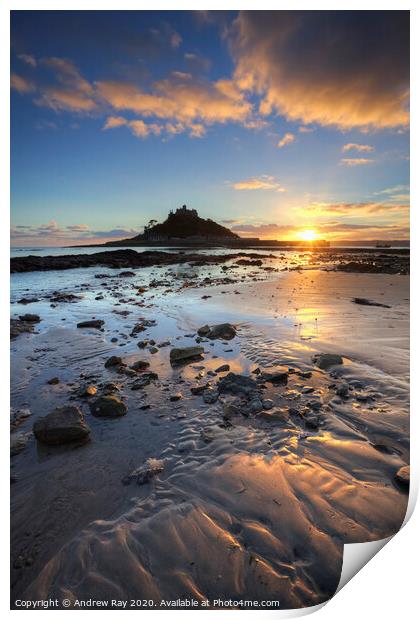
point(308, 235)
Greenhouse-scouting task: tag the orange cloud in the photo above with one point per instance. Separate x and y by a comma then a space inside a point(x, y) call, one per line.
point(351, 68)
point(362, 148)
point(179, 97)
point(22, 85)
point(356, 161)
point(288, 138)
point(263, 182)
point(73, 93)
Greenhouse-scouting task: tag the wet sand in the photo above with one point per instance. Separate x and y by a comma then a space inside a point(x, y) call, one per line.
point(256, 506)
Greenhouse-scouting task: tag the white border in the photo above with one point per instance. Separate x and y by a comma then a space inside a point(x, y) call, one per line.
point(387, 585)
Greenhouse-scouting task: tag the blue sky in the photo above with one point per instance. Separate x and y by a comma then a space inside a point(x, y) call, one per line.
point(273, 123)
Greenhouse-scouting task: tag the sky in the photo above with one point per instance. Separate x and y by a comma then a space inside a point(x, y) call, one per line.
point(273, 123)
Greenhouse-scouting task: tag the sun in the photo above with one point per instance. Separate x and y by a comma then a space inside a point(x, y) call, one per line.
point(308, 235)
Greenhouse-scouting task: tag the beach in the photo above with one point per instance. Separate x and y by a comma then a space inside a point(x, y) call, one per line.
point(237, 473)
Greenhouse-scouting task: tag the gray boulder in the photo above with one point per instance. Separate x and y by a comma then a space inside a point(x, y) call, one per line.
point(185, 353)
point(108, 406)
point(326, 360)
point(94, 323)
point(63, 425)
point(225, 331)
point(237, 384)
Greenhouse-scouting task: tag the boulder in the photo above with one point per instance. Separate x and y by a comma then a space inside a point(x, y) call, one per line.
point(326, 360)
point(237, 384)
point(114, 360)
point(94, 323)
point(108, 406)
point(30, 318)
point(146, 472)
point(403, 475)
point(223, 368)
point(63, 425)
point(224, 331)
point(280, 374)
point(185, 353)
point(140, 365)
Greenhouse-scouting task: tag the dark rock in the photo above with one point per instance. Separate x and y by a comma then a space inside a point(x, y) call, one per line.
point(199, 389)
point(63, 425)
point(28, 300)
point(223, 368)
point(114, 360)
point(185, 353)
point(140, 365)
point(144, 380)
point(279, 374)
point(108, 407)
point(210, 396)
point(175, 397)
point(326, 360)
point(53, 381)
point(237, 384)
point(403, 475)
point(146, 472)
point(30, 318)
point(126, 274)
point(224, 331)
point(94, 323)
point(367, 302)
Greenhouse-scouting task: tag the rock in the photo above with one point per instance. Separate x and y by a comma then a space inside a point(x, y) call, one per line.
point(108, 407)
point(223, 368)
point(18, 442)
point(326, 360)
point(126, 274)
point(53, 381)
point(367, 302)
point(30, 318)
point(90, 390)
point(279, 374)
point(144, 380)
point(225, 331)
point(403, 475)
point(210, 396)
point(255, 406)
point(146, 472)
point(114, 360)
point(199, 389)
point(185, 353)
point(94, 323)
point(203, 331)
point(18, 327)
point(237, 384)
point(176, 396)
point(315, 404)
point(343, 390)
point(28, 300)
point(153, 350)
point(58, 297)
point(231, 409)
point(267, 403)
point(140, 365)
point(63, 425)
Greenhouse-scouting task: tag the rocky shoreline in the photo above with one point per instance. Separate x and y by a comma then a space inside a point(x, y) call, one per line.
point(355, 260)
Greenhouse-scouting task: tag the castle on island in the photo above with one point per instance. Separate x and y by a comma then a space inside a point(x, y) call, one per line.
point(185, 227)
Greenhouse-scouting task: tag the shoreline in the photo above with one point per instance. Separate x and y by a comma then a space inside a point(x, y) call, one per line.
point(377, 261)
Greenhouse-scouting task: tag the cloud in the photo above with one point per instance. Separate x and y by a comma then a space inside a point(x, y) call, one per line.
point(141, 129)
point(361, 148)
point(22, 85)
point(28, 59)
point(288, 138)
point(263, 182)
point(356, 161)
point(53, 234)
point(332, 230)
point(72, 93)
point(354, 209)
point(305, 129)
point(341, 68)
point(179, 97)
